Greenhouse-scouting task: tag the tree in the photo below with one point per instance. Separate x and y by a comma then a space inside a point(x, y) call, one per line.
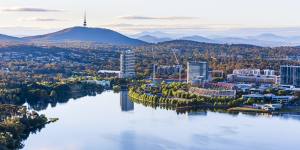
point(250, 101)
point(281, 92)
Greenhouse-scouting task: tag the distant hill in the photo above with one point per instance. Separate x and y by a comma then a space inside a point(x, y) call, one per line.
point(153, 39)
point(236, 40)
point(6, 38)
point(199, 39)
point(188, 43)
point(252, 41)
point(157, 34)
point(269, 37)
point(265, 39)
point(85, 34)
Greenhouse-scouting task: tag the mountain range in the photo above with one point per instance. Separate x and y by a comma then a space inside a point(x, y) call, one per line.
point(107, 36)
point(265, 40)
point(198, 38)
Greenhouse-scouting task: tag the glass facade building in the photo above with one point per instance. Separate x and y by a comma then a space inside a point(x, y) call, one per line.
point(290, 75)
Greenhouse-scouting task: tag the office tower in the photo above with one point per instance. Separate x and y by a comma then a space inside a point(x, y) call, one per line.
point(127, 64)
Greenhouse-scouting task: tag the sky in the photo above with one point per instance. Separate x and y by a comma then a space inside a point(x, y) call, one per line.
point(208, 17)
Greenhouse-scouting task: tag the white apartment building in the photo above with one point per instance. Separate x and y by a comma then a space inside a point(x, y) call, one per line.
point(127, 64)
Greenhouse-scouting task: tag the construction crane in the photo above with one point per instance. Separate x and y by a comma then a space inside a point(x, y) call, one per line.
point(178, 64)
point(154, 65)
point(177, 61)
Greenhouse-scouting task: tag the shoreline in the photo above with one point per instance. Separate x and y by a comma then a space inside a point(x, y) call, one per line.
point(187, 106)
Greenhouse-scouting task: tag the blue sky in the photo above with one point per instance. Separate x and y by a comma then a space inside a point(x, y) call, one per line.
point(132, 16)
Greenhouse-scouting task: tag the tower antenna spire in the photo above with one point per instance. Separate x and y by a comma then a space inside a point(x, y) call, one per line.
point(84, 22)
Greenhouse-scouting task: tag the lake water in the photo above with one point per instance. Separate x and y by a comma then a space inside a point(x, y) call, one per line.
point(110, 121)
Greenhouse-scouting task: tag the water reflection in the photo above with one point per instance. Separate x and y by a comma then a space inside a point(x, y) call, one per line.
point(291, 116)
point(42, 102)
point(97, 123)
point(197, 113)
point(125, 102)
point(127, 139)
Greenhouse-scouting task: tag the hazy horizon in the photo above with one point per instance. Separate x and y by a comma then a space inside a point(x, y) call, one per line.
point(191, 17)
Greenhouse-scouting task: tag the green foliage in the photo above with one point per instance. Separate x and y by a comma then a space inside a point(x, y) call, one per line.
point(281, 92)
point(250, 101)
point(219, 79)
point(116, 88)
point(175, 95)
point(17, 125)
point(47, 92)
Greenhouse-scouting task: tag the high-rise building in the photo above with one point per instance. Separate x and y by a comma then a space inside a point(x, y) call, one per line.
point(127, 64)
point(290, 75)
point(197, 72)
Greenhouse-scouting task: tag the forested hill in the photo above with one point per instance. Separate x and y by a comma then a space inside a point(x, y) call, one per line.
point(85, 34)
point(192, 44)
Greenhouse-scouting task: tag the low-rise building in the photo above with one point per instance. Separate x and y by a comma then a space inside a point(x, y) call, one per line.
point(197, 72)
point(213, 92)
point(161, 70)
point(243, 87)
point(272, 107)
point(253, 76)
point(280, 99)
point(268, 107)
point(253, 96)
point(286, 87)
point(270, 97)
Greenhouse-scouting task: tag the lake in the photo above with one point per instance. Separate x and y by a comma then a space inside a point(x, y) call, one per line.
point(111, 121)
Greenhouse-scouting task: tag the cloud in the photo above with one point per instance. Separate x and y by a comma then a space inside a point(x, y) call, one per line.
point(41, 19)
point(119, 25)
point(29, 9)
point(156, 18)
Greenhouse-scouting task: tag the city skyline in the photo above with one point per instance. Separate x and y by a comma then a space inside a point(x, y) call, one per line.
point(134, 16)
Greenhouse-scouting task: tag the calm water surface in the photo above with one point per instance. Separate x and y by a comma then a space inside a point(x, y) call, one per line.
point(110, 121)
